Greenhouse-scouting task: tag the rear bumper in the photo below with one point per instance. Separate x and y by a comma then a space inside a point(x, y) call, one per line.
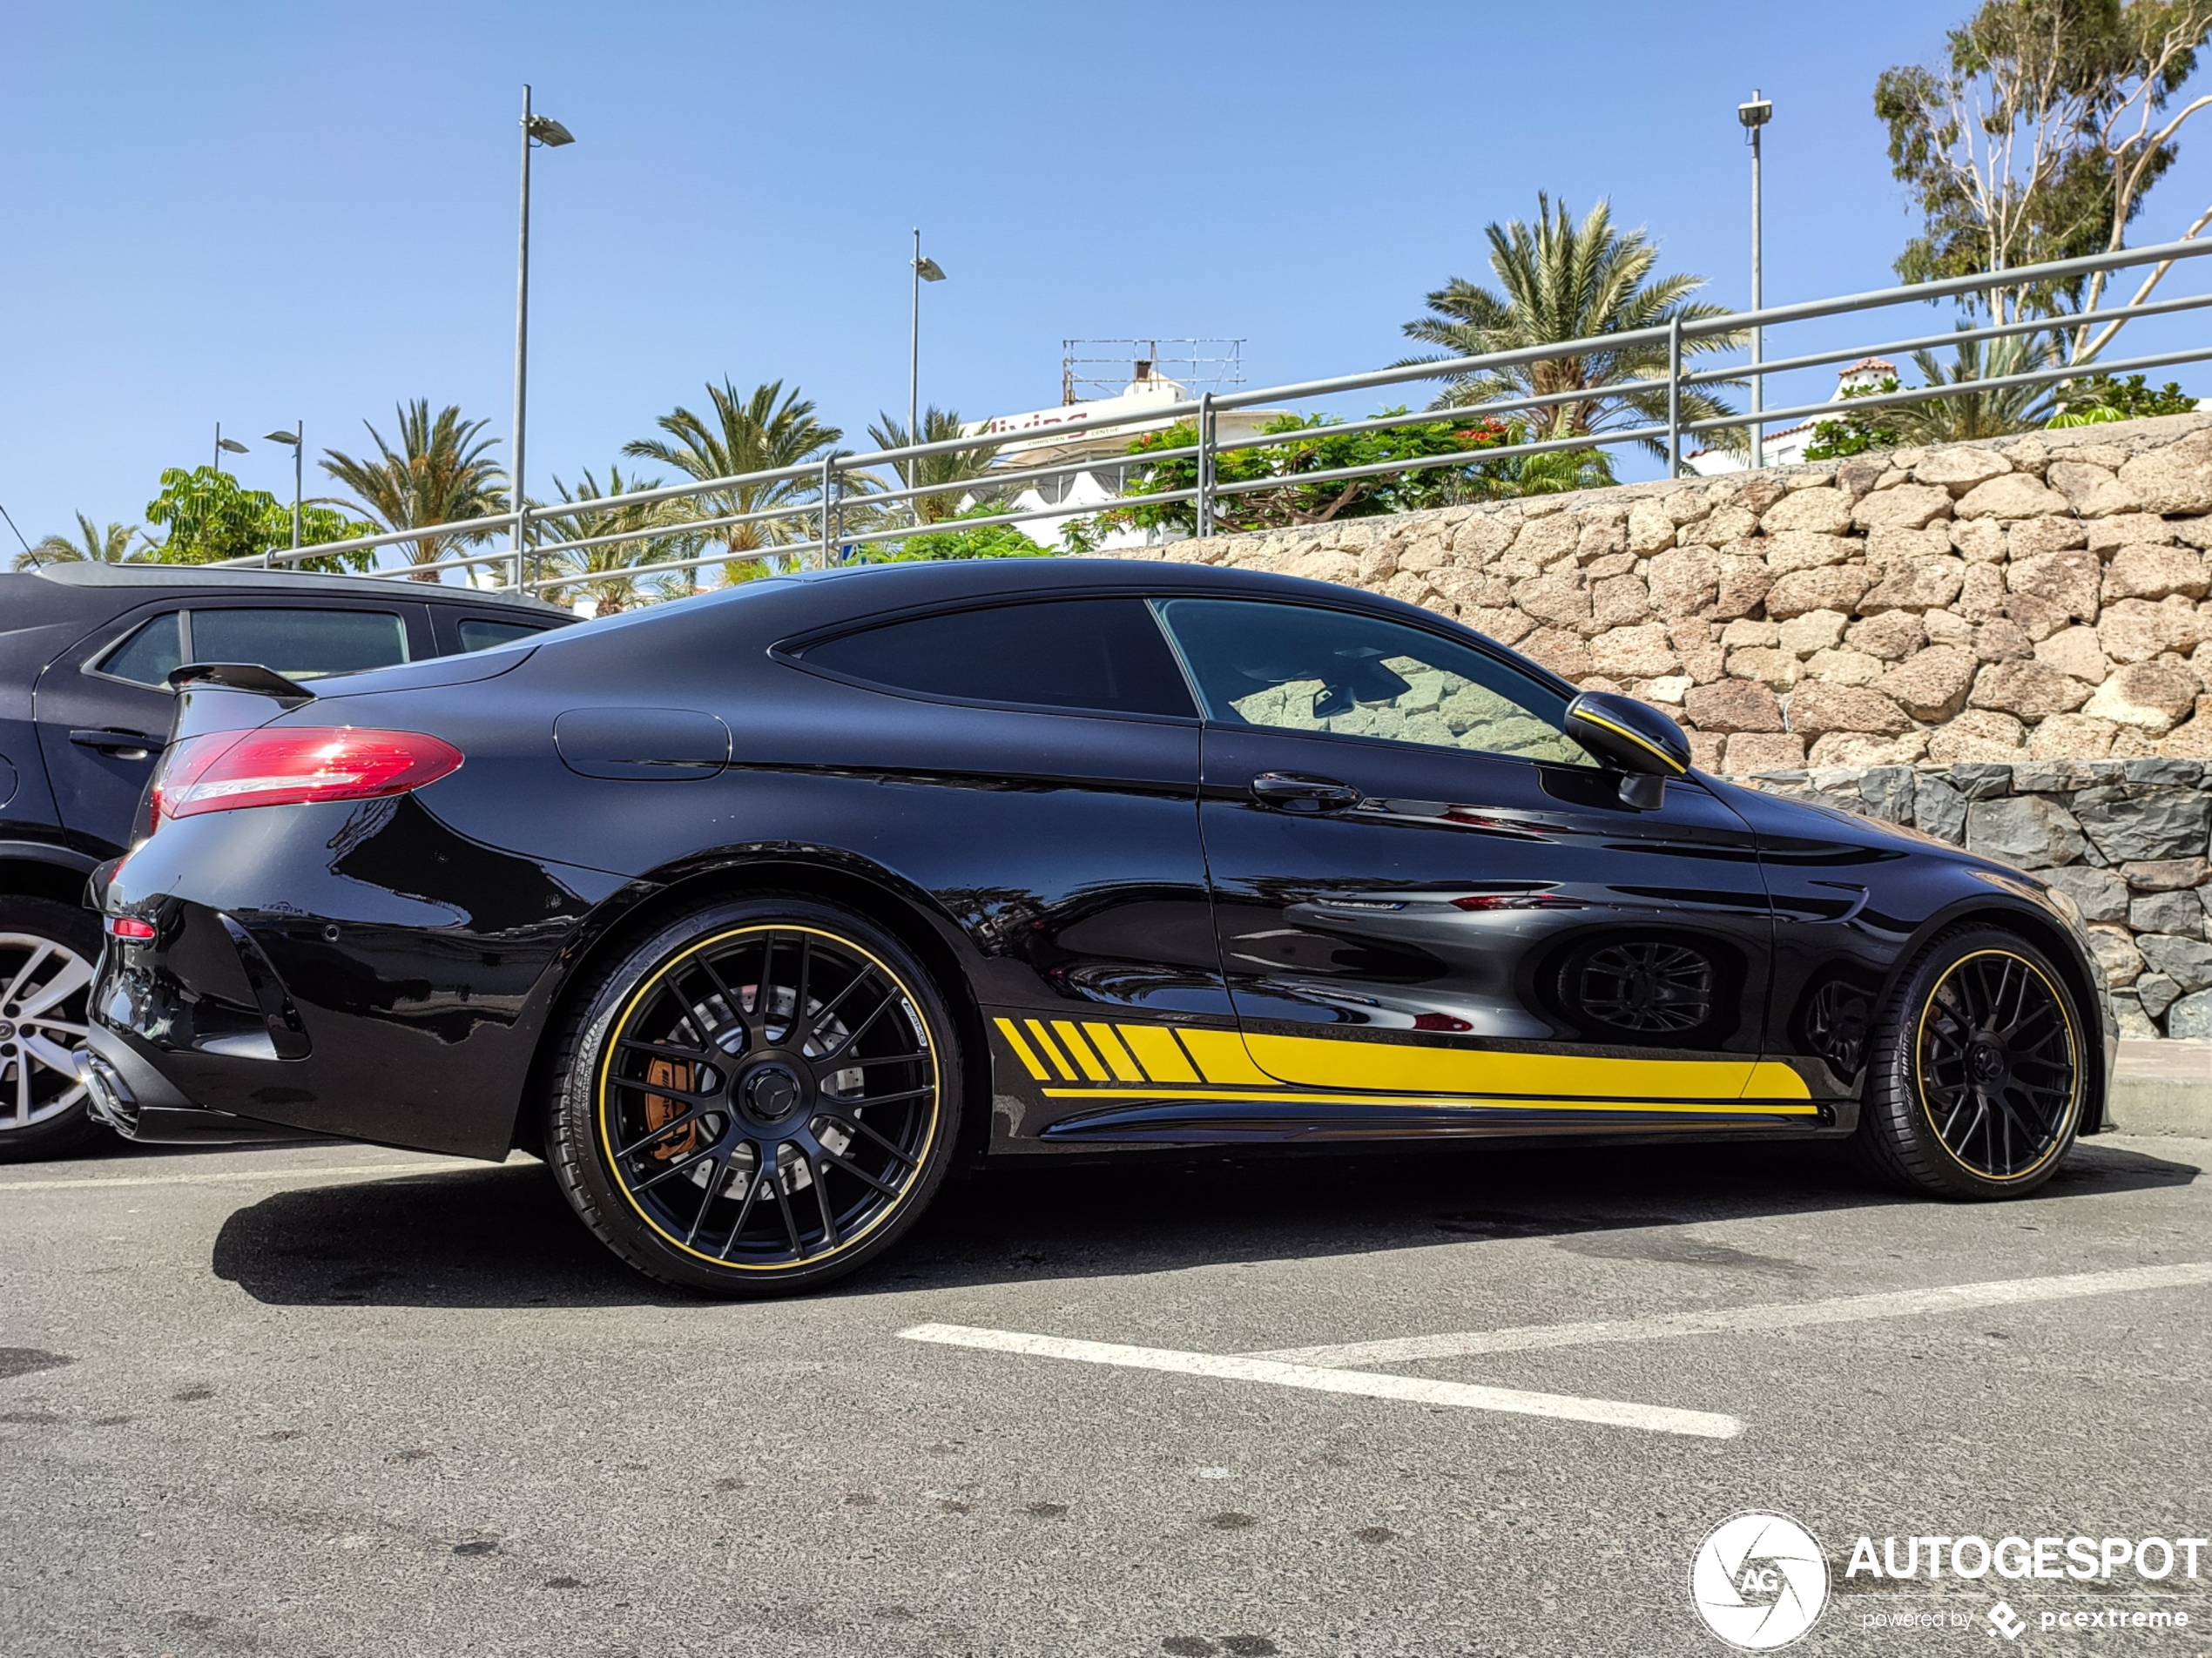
point(136, 1100)
point(355, 971)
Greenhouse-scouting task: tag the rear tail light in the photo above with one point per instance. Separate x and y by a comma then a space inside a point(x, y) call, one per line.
point(288, 765)
point(129, 927)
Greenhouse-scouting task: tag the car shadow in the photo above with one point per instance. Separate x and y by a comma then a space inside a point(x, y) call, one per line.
point(504, 1236)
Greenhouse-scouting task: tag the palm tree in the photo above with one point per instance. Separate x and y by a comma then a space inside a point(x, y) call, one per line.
point(1568, 281)
point(94, 546)
point(766, 431)
point(1985, 414)
point(607, 574)
point(952, 467)
point(439, 475)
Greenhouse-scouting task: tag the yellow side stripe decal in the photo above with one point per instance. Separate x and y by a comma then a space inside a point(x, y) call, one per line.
point(1158, 1052)
point(1317, 1096)
point(1324, 1062)
point(1223, 1059)
point(1072, 1040)
point(1050, 1049)
point(1382, 1073)
point(1012, 1032)
point(1108, 1042)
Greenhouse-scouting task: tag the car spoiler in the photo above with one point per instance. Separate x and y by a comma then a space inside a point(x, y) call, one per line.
point(242, 676)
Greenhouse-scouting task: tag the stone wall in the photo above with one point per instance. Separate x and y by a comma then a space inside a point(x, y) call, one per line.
point(2034, 598)
point(2127, 840)
point(2006, 643)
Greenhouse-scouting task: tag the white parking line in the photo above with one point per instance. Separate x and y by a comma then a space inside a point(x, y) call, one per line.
point(1777, 1315)
point(421, 1166)
point(1420, 1390)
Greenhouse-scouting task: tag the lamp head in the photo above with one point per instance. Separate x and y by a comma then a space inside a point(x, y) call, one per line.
point(292, 438)
point(550, 133)
point(233, 447)
point(1757, 113)
point(930, 270)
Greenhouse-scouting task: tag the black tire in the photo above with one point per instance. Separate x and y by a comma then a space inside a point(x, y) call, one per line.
point(34, 932)
point(700, 1126)
point(1979, 1070)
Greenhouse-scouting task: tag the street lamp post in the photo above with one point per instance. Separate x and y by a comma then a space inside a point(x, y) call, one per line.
point(925, 270)
point(537, 129)
point(297, 438)
point(1755, 115)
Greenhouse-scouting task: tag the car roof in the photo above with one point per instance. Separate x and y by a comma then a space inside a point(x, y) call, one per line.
point(770, 610)
point(189, 578)
point(855, 592)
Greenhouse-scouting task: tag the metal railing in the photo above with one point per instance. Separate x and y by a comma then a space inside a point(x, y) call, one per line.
point(807, 524)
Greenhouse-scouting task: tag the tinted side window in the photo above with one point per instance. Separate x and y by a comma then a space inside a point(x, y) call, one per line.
point(147, 656)
point(1103, 654)
point(1313, 670)
point(300, 645)
point(477, 634)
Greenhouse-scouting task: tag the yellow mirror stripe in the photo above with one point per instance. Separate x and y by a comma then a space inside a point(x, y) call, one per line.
point(1637, 737)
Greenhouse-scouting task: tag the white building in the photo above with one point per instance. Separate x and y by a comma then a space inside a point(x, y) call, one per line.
point(1787, 447)
point(1072, 433)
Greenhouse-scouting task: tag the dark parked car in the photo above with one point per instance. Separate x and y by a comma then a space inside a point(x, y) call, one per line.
point(85, 651)
point(755, 913)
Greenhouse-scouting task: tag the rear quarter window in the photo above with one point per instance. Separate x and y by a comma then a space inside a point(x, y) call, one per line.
point(1103, 655)
point(480, 633)
point(301, 643)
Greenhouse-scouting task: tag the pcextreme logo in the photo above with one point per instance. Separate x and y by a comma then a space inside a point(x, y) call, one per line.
point(1758, 1581)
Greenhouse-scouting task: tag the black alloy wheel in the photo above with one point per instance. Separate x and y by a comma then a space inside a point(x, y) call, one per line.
point(1647, 986)
point(1979, 1070)
point(759, 1099)
point(48, 952)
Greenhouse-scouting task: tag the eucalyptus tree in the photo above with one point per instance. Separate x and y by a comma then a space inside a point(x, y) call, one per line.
point(767, 430)
point(441, 473)
point(1559, 280)
point(2037, 135)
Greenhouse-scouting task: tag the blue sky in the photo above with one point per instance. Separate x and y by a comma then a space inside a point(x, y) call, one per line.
point(254, 213)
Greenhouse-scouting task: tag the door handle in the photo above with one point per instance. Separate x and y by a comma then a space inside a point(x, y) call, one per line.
point(1294, 791)
point(131, 744)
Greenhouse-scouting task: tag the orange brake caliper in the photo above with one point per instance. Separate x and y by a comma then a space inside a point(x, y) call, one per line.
point(660, 1108)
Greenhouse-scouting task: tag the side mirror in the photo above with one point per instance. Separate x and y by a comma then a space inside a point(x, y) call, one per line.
point(1630, 735)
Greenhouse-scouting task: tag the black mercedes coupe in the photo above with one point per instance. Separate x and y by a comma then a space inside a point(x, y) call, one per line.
point(756, 914)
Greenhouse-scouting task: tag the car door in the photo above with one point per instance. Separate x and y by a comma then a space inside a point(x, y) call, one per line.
point(1427, 894)
point(103, 708)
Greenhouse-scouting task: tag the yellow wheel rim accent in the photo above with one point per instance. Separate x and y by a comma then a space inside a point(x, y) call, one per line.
point(2061, 1127)
point(604, 1111)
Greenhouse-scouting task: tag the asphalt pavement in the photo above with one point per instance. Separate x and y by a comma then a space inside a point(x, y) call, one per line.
point(332, 1399)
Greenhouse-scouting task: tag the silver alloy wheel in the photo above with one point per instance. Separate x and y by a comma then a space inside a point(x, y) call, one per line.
point(43, 986)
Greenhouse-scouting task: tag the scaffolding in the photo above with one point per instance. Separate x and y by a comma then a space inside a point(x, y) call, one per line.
point(1089, 369)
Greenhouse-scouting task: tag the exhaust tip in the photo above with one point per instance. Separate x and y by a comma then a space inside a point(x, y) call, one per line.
point(111, 1101)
